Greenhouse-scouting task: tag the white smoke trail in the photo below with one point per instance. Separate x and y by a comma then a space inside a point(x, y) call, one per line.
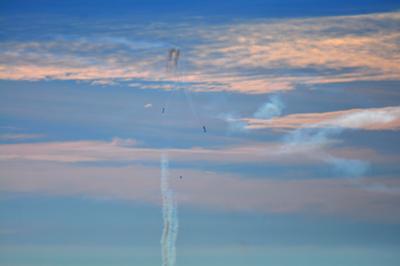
point(170, 217)
point(270, 109)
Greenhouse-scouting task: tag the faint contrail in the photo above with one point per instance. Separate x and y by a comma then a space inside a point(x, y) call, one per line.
point(170, 217)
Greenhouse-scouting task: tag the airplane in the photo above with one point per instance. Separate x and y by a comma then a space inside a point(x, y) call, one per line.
point(204, 129)
point(163, 110)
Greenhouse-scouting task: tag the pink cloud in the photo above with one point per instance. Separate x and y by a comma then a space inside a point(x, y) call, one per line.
point(250, 46)
point(386, 118)
point(128, 150)
point(209, 190)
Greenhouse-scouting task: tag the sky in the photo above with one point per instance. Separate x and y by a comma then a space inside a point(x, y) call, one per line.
point(102, 140)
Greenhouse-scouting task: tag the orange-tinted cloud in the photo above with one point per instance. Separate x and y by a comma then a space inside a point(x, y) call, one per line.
point(247, 57)
point(387, 118)
point(126, 150)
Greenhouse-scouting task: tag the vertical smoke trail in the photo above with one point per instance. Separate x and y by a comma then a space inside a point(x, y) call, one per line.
point(170, 217)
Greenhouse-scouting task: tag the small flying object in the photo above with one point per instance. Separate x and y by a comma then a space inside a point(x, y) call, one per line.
point(204, 129)
point(163, 110)
point(180, 177)
point(173, 57)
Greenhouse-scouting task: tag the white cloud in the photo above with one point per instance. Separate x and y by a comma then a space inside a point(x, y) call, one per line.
point(373, 119)
point(312, 134)
point(385, 118)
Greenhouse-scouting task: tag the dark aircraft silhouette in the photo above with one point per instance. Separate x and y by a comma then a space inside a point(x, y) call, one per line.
point(204, 129)
point(173, 57)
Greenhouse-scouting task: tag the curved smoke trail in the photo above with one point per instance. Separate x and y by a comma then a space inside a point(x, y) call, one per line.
point(170, 217)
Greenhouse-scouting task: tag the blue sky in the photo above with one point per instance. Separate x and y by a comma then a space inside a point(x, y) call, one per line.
point(299, 164)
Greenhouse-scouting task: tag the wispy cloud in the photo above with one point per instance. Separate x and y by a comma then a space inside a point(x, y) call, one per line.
point(386, 118)
point(298, 151)
point(273, 107)
point(316, 142)
point(260, 56)
point(224, 191)
point(127, 150)
point(313, 134)
point(339, 49)
point(235, 124)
